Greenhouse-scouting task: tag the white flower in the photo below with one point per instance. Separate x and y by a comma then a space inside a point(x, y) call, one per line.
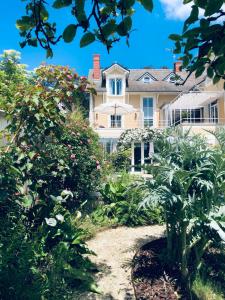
point(60, 217)
point(51, 222)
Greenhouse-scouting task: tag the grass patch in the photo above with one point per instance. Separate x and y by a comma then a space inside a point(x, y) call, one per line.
point(205, 290)
point(91, 228)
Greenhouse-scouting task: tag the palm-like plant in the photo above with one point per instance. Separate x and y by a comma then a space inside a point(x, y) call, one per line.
point(188, 180)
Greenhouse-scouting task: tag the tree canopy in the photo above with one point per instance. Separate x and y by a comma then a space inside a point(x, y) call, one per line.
point(105, 21)
point(202, 42)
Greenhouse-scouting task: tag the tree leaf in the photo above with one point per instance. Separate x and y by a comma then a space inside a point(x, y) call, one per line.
point(213, 6)
point(148, 4)
point(23, 24)
point(69, 33)
point(124, 27)
point(87, 39)
point(61, 3)
point(174, 37)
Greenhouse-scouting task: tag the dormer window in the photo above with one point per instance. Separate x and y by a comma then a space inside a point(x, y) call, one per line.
point(115, 85)
point(146, 79)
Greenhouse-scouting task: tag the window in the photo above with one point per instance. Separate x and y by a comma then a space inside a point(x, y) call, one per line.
point(108, 145)
point(213, 112)
point(115, 86)
point(146, 79)
point(148, 111)
point(115, 121)
point(187, 116)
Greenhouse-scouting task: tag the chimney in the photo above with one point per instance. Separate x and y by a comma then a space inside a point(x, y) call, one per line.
point(96, 67)
point(177, 66)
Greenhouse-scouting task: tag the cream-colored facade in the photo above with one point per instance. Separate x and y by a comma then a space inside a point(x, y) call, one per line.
point(134, 86)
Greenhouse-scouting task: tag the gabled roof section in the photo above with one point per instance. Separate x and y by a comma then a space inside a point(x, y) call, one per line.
point(173, 75)
point(147, 74)
point(115, 66)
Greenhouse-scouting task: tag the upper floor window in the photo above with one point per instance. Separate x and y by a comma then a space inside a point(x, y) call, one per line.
point(115, 121)
point(148, 111)
point(115, 85)
point(146, 79)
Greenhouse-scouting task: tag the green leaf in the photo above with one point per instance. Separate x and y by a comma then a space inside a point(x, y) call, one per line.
point(148, 4)
point(174, 37)
point(61, 3)
point(49, 53)
point(69, 33)
point(44, 13)
point(210, 72)
point(213, 6)
point(25, 23)
point(124, 27)
point(27, 201)
point(87, 39)
point(199, 71)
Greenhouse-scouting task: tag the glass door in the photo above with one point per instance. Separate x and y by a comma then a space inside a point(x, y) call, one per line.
point(213, 112)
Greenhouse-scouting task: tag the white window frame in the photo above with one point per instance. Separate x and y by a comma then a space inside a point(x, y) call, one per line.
point(154, 108)
point(116, 128)
point(108, 88)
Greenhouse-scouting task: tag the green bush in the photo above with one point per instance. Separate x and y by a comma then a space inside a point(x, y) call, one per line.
point(121, 198)
point(47, 170)
point(121, 160)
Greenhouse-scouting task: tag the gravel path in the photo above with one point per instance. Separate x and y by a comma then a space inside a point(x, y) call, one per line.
point(115, 249)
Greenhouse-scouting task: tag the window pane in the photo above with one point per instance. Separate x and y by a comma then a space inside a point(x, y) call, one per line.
point(119, 86)
point(137, 157)
point(115, 121)
point(148, 111)
point(112, 86)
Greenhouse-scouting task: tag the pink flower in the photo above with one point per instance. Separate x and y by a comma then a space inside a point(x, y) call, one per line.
point(69, 146)
point(98, 167)
point(72, 156)
point(97, 162)
point(81, 142)
point(69, 76)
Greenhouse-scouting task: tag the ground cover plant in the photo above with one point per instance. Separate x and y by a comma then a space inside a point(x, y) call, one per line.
point(48, 167)
point(188, 181)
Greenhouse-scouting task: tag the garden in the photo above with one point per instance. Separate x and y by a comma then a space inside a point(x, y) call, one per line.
point(58, 193)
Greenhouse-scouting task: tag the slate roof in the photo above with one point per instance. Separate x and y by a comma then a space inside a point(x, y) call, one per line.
point(160, 85)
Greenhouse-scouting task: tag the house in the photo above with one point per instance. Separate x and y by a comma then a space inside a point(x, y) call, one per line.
point(160, 98)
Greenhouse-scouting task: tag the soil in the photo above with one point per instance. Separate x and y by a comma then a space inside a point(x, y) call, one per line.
point(152, 279)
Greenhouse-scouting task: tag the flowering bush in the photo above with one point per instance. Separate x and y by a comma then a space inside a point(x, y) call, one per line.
point(48, 168)
point(138, 135)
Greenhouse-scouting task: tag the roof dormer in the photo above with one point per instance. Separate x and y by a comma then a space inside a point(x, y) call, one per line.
point(147, 78)
point(173, 78)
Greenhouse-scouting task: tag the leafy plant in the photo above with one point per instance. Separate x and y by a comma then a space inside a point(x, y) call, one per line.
point(121, 160)
point(121, 197)
point(46, 171)
point(188, 182)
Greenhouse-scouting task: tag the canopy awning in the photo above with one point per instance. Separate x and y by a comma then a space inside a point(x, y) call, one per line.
point(115, 108)
point(193, 100)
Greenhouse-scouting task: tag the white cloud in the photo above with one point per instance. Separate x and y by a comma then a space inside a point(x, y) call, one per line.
point(175, 9)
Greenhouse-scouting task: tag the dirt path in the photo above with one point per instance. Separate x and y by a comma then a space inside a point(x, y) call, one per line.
point(115, 249)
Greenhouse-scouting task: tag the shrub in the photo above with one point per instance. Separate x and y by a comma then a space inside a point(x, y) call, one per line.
point(121, 160)
point(188, 181)
point(46, 172)
point(121, 198)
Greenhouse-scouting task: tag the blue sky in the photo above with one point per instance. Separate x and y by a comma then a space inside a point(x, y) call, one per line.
point(149, 43)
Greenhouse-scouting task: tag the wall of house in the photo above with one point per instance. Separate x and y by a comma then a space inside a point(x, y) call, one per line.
point(162, 100)
point(132, 120)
